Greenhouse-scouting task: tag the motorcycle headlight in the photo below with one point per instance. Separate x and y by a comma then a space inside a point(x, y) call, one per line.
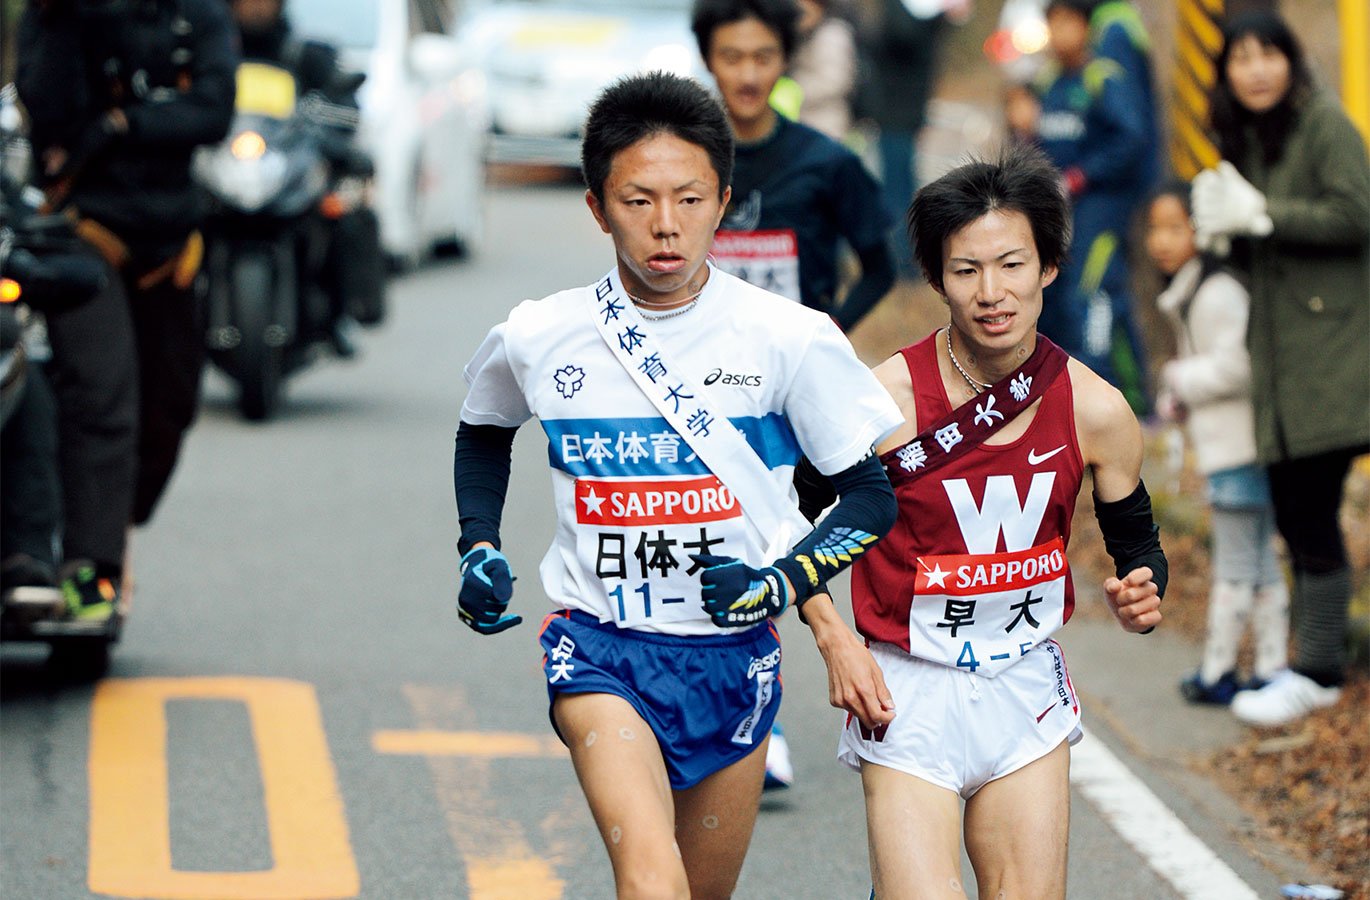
point(244, 174)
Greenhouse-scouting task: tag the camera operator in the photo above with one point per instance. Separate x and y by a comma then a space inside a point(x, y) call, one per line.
point(119, 93)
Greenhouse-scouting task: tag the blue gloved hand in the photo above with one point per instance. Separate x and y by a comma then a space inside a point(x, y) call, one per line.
point(736, 594)
point(486, 586)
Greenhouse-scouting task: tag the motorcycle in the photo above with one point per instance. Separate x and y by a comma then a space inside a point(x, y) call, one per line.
point(278, 185)
point(44, 267)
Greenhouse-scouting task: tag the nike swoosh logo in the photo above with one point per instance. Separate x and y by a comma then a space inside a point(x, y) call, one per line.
point(1044, 713)
point(1034, 459)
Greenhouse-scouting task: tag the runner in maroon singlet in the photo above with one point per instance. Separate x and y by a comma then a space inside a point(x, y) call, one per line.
point(958, 603)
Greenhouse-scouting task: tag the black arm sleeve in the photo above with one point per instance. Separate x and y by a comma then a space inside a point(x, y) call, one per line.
point(865, 511)
point(480, 473)
point(815, 489)
point(1131, 537)
point(877, 276)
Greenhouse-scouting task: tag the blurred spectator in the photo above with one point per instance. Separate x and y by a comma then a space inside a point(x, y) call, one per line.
point(1208, 388)
point(1292, 197)
point(901, 47)
point(1022, 112)
point(797, 194)
point(1092, 127)
point(823, 65)
point(1116, 32)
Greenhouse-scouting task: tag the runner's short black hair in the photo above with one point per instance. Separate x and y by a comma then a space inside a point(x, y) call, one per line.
point(780, 16)
point(1021, 180)
point(642, 106)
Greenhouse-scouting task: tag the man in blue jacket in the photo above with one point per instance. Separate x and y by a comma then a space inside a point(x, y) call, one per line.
point(1093, 127)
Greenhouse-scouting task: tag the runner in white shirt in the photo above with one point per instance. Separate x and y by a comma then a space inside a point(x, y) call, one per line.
point(677, 401)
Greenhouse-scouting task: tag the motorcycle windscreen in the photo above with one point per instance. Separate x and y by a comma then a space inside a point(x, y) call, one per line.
point(265, 90)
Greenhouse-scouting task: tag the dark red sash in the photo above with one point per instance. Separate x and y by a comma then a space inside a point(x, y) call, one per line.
point(968, 425)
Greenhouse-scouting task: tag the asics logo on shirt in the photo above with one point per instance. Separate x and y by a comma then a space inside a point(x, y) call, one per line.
point(721, 377)
point(1035, 459)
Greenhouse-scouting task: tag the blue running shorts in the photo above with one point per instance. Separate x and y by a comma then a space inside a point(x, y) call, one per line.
point(709, 699)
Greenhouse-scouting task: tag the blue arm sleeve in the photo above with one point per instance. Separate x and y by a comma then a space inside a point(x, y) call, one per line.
point(480, 473)
point(865, 511)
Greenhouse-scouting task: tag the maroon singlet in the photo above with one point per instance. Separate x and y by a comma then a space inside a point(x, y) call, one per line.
point(980, 542)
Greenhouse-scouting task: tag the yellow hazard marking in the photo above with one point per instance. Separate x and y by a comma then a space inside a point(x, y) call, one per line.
point(1200, 63)
point(1193, 97)
point(1210, 37)
point(489, 744)
point(1354, 16)
point(1198, 143)
point(130, 828)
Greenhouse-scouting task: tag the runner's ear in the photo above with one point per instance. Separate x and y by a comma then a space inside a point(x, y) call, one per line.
point(597, 210)
point(1049, 274)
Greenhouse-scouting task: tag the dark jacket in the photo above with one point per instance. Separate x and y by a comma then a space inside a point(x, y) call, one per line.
point(1309, 333)
point(169, 65)
point(899, 67)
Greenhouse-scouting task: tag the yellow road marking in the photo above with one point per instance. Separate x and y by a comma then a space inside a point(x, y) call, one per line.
point(500, 863)
point(130, 827)
point(467, 743)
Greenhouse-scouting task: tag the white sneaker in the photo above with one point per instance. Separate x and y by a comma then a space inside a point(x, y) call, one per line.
point(779, 769)
point(1286, 697)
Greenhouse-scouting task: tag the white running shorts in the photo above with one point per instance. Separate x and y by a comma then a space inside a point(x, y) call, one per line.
point(961, 731)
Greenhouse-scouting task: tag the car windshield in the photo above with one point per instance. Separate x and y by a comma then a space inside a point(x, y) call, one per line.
point(347, 24)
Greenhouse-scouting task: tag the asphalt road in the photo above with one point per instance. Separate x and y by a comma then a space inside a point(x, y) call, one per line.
point(295, 710)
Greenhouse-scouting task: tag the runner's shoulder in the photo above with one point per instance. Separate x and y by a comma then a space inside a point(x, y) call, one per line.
point(1102, 413)
point(767, 309)
point(550, 312)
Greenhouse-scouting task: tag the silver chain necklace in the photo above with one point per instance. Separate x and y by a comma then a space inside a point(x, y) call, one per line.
point(978, 387)
point(643, 306)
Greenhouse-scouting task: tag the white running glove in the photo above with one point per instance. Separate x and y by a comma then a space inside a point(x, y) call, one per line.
point(1225, 204)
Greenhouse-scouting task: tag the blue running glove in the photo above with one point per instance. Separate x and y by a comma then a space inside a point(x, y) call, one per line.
point(486, 586)
point(736, 594)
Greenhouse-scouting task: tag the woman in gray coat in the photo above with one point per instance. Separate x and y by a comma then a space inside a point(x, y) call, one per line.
point(1292, 197)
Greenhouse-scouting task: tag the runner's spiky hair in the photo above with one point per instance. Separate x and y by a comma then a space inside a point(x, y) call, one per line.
point(1021, 180)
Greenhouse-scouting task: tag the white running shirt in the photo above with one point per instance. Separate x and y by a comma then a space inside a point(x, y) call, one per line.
point(632, 500)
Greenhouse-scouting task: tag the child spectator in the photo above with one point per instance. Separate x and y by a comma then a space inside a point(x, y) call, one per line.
point(1208, 388)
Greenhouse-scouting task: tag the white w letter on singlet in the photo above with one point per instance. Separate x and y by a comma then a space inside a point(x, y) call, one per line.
point(980, 526)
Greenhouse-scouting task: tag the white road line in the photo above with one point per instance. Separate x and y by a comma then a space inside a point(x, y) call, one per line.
point(1141, 819)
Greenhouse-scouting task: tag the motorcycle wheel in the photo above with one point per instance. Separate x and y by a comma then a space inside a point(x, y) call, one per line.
point(81, 659)
point(260, 362)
